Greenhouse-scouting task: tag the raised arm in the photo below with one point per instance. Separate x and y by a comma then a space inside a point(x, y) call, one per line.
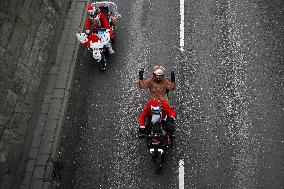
point(170, 85)
point(143, 84)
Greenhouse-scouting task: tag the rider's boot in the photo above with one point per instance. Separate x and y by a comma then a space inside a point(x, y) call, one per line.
point(169, 141)
point(170, 138)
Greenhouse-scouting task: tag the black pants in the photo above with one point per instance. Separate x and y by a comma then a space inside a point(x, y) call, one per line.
point(167, 125)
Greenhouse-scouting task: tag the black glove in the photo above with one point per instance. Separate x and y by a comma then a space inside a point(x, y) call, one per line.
point(172, 126)
point(141, 130)
point(141, 133)
point(141, 73)
point(173, 77)
point(172, 120)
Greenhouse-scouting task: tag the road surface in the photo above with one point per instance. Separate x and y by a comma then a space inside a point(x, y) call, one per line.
point(229, 99)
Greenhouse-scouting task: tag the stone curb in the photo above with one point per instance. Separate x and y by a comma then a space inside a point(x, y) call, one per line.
point(47, 133)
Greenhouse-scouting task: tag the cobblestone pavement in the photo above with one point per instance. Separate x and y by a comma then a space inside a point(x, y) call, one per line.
point(46, 136)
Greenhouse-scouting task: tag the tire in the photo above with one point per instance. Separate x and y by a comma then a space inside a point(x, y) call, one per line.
point(102, 63)
point(158, 162)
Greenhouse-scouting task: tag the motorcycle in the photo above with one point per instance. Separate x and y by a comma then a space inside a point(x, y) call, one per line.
point(157, 139)
point(100, 43)
point(97, 44)
point(100, 50)
point(158, 142)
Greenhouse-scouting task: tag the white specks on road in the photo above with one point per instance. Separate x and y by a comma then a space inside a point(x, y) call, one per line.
point(181, 42)
point(236, 95)
point(181, 174)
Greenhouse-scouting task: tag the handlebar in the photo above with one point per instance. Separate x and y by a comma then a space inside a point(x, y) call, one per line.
point(173, 77)
point(141, 136)
point(141, 73)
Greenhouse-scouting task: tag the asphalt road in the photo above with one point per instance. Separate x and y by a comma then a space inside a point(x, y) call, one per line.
point(229, 99)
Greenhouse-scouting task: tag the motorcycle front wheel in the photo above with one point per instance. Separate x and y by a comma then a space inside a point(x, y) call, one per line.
point(102, 63)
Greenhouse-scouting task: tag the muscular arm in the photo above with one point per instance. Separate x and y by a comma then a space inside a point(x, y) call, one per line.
point(143, 84)
point(170, 85)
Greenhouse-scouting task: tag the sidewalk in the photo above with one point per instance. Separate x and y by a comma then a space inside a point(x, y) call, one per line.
point(46, 136)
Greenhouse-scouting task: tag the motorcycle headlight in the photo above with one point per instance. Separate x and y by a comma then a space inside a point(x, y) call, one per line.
point(97, 54)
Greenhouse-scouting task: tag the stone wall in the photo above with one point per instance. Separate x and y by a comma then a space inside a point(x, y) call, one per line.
point(27, 32)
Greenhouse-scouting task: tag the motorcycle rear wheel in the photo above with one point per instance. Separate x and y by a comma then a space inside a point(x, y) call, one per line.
point(102, 64)
point(158, 162)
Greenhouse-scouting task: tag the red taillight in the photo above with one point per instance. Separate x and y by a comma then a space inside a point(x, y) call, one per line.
point(155, 141)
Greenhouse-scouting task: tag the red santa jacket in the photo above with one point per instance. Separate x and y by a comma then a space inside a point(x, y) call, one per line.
point(103, 22)
point(166, 111)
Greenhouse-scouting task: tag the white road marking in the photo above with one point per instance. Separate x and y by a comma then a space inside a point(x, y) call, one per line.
point(181, 41)
point(181, 174)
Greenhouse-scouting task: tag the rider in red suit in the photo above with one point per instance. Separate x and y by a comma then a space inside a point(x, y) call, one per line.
point(99, 19)
point(158, 111)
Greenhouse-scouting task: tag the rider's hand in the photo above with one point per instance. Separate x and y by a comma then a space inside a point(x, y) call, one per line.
point(141, 73)
point(142, 130)
point(172, 120)
point(87, 31)
point(173, 77)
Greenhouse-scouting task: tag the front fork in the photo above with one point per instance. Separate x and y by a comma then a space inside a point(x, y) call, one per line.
point(102, 62)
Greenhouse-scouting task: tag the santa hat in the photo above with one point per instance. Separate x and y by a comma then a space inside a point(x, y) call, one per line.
point(91, 9)
point(94, 38)
point(94, 41)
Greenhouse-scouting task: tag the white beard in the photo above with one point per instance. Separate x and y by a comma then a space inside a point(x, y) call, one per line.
point(156, 118)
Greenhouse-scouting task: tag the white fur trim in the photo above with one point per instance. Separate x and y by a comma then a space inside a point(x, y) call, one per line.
point(156, 118)
point(96, 45)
